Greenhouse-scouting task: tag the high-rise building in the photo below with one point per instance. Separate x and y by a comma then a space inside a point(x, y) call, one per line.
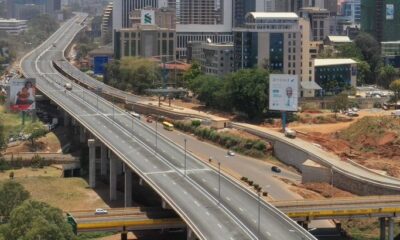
point(122, 9)
point(381, 18)
point(242, 7)
point(26, 9)
point(319, 21)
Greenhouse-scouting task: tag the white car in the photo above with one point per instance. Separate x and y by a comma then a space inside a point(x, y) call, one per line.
point(231, 153)
point(136, 115)
point(290, 133)
point(100, 211)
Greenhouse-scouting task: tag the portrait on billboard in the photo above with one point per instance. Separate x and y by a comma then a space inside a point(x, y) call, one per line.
point(22, 94)
point(283, 92)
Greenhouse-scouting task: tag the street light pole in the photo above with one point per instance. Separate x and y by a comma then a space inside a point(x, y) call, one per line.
point(219, 182)
point(259, 215)
point(185, 155)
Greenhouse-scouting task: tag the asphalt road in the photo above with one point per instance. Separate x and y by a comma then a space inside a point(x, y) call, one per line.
point(232, 214)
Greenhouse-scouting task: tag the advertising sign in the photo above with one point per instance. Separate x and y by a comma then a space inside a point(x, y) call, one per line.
point(22, 94)
point(148, 17)
point(389, 11)
point(99, 63)
point(283, 92)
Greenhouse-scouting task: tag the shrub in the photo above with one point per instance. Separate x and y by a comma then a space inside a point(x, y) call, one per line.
point(11, 175)
point(196, 123)
point(4, 165)
point(38, 162)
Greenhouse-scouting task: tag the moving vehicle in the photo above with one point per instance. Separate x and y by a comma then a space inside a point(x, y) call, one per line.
point(168, 126)
point(100, 211)
point(290, 133)
point(352, 114)
point(68, 86)
point(231, 153)
point(136, 115)
point(276, 169)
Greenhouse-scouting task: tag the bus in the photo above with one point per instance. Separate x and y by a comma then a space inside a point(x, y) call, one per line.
point(168, 126)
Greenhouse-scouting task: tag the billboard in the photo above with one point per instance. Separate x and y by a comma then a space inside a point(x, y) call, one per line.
point(389, 11)
point(99, 63)
point(283, 92)
point(21, 95)
point(148, 17)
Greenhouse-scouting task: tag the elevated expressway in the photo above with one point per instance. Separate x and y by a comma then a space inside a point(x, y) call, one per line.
point(212, 205)
point(347, 176)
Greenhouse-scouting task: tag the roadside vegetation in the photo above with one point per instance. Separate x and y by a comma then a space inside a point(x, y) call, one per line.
point(250, 147)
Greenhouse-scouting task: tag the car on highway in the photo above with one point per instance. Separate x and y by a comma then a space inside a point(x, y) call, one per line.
point(290, 133)
point(276, 169)
point(352, 114)
point(100, 211)
point(68, 86)
point(136, 115)
point(230, 153)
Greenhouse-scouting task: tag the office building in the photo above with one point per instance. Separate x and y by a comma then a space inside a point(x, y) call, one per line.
point(214, 58)
point(13, 26)
point(381, 18)
point(122, 9)
point(146, 39)
point(242, 7)
point(351, 10)
point(194, 27)
point(27, 9)
point(319, 22)
point(335, 75)
point(106, 21)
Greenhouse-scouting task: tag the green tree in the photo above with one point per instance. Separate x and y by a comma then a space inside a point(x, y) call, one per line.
point(371, 52)
point(133, 74)
point(386, 75)
point(12, 194)
point(35, 130)
point(350, 50)
point(206, 88)
point(340, 102)
point(248, 91)
point(395, 87)
point(193, 72)
point(363, 71)
point(35, 220)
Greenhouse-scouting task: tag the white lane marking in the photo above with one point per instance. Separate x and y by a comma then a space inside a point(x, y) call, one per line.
point(208, 214)
point(164, 173)
point(215, 189)
point(203, 180)
point(254, 220)
point(227, 198)
point(185, 192)
point(241, 209)
point(197, 203)
point(173, 182)
point(269, 234)
point(219, 225)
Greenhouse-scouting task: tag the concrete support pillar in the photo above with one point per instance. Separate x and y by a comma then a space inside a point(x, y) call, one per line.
point(66, 119)
point(113, 177)
point(382, 223)
point(103, 160)
point(124, 236)
point(190, 234)
point(391, 228)
point(92, 163)
point(128, 187)
point(82, 134)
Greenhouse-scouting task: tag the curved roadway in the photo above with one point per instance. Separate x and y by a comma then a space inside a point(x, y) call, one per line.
point(214, 207)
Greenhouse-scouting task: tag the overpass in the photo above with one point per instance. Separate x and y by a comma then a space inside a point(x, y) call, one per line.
point(386, 209)
point(212, 205)
point(347, 176)
point(122, 220)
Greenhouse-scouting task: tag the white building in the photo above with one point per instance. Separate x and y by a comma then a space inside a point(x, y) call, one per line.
point(13, 26)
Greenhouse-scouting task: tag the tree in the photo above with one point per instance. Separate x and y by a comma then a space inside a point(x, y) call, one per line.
point(206, 87)
point(363, 71)
point(193, 72)
point(350, 50)
point(386, 75)
point(340, 102)
point(395, 87)
point(35, 130)
point(35, 220)
point(12, 194)
point(248, 91)
point(133, 74)
point(371, 52)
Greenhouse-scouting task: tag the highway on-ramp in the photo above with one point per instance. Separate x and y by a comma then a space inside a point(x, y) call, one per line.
point(212, 205)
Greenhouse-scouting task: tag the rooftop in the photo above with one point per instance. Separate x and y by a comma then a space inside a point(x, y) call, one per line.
point(339, 39)
point(274, 15)
point(12, 20)
point(333, 61)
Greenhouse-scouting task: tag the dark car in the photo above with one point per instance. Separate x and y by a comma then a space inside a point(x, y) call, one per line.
point(276, 169)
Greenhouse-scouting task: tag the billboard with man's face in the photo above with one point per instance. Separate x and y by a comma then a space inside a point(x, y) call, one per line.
point(283, 92)
point(22, 94)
